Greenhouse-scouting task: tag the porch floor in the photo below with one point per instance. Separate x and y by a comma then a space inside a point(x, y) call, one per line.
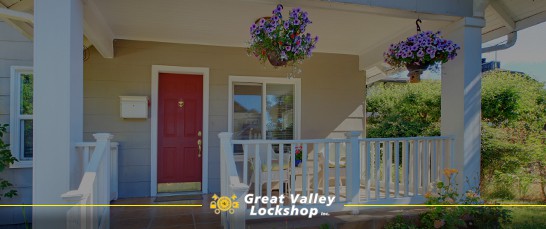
point(163, 217)
point(204, 217)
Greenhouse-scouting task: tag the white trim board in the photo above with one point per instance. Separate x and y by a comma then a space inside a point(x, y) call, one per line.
point(15, 138)
point(156, 69)
point(265, 80)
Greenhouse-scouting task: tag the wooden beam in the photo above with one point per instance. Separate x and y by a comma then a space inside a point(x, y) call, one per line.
point(97, 30)
point(503, 13)
point(15, 15)
point(23, 5)
point(23, 27)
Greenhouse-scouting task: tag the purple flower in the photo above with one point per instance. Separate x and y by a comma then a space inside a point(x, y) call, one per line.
point(288, 48)
point(286, 24)
point(449, 48)
point(253, 27)
point(316, 38)
point(296, 21)
point(420, 53)
point(414, 47)
point(262, 21)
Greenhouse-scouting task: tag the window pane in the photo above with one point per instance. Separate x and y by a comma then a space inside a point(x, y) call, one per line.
point(280, 111)
point(26, 139)
point(247, 111)
point(26, 94)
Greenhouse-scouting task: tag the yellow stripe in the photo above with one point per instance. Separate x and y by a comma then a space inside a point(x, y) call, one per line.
point(101, 205)
point(444, 205)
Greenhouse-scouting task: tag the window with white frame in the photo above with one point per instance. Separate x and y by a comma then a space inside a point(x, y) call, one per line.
point(21, 112)
point(264, 108)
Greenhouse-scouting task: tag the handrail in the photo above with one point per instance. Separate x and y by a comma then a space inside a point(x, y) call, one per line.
point(94, 188)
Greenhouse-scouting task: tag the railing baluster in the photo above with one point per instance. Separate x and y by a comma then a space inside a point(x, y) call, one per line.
point(269, 149)
point(443, 161)
point(426, 166)
point(433, 167)
point(257, 173)
point(315, 167)
point(396, 168)
point(245, 164)
point(405, 162)
point(368, 169)
point(377, 168)
point(281, 171)
point(387, 168)
point(304, 170)
point(415, 181)
point(85, 157)
point(293, 169)
point(326, 181)
point(338, 175)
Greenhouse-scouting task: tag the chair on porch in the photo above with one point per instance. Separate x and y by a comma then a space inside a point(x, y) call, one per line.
point(331, 173)
point(275, 166)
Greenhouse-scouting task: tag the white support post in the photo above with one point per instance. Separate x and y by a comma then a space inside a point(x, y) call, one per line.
point(461, 99)
point(58, 104)
point(353, 168)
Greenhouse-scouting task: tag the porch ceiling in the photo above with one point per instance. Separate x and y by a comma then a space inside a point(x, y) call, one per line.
point(359, 27)
point(226, 23)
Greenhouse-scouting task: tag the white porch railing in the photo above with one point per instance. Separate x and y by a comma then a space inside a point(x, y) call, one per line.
point(354, 170)
point(84, 153)
point(95, 186)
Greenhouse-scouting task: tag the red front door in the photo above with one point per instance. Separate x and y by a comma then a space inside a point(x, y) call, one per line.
point(180, 123)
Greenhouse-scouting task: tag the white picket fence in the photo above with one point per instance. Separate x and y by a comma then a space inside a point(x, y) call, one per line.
point(98, 183)
point(355, 170)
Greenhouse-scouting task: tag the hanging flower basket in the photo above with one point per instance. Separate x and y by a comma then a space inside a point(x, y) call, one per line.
point(275, 59)
point(282, 41)
point(419, 52)
point(415, 71)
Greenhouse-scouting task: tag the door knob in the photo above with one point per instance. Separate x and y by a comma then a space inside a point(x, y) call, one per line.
point(181, 103)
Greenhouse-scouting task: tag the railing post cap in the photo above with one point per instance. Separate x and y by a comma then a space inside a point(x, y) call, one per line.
point(225, 135)
point(353, 134)
point(103, 136)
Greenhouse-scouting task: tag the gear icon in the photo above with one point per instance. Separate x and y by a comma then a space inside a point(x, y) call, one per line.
point(224, 203)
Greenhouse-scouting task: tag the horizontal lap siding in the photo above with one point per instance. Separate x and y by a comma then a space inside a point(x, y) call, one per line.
point(15, 50)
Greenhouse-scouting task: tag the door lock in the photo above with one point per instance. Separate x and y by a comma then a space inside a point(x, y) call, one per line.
point(199, 143)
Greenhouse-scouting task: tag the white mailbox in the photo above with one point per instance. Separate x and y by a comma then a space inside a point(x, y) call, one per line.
point(134, 106)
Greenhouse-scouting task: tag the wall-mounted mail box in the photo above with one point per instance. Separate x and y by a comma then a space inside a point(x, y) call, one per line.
point(134, 106)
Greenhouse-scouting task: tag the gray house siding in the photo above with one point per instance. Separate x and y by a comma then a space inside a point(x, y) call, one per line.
point(15, 50)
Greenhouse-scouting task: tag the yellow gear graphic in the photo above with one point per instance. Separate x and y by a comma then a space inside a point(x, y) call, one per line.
point(224, 203)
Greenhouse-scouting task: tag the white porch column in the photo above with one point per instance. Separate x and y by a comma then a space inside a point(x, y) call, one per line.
point(58, 108)
point(461, 99)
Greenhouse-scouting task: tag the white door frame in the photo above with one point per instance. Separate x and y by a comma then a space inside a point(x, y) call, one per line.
point(156, 69)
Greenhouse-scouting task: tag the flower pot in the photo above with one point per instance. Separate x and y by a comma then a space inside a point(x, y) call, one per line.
point(297, 162)
point(275, 59)
point(415, 72)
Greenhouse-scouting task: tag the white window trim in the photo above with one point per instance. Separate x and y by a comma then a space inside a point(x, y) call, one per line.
point(265, 80)
point(15, 140)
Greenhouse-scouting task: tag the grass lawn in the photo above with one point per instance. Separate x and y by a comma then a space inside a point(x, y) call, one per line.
point(528, 217)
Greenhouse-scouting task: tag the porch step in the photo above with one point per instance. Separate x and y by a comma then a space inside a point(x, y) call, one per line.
point(372, 219)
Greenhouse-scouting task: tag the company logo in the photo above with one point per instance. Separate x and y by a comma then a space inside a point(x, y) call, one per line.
point(224, 204)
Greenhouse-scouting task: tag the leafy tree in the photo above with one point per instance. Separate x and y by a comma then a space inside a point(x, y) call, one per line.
point(513, 123)
point(5, 160)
